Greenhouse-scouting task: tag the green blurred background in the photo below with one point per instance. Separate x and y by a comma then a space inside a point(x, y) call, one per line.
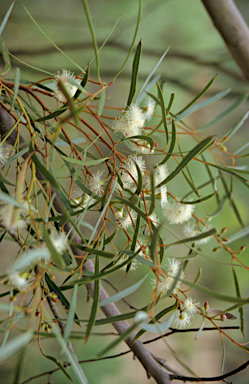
point(196, 54)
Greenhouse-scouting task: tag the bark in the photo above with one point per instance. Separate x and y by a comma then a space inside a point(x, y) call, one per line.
point(233, 29)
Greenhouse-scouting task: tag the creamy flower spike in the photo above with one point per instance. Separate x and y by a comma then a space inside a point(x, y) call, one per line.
point(160, 174)
point(167, 280)
point(125, 221)
point(178, 213)
point(190, 305)
point(150, 109)
point(59, 241)
point(131, 122)
point(130, 169)
point(155, 220)
point(18, 281)
point(70, 87)
point(96, 182)
point(181, 319)
point(12, 217)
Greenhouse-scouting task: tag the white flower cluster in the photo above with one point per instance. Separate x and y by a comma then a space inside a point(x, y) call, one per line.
point(12, 217)
point(167, 280)
point(71, 89)
point(131, 124)
point(183, 317)
point(190, 231)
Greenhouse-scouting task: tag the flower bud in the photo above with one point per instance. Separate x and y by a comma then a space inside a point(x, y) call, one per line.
point(38, 314)
point(223, 317)
point(216, 249)
point(206, 306)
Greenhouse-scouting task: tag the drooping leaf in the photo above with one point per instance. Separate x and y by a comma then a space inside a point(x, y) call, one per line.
point(124, 293)
point(135, 68)
point(198, 96)
point(200, 147)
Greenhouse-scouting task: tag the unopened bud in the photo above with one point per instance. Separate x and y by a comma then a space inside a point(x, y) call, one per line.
point(206, 306)
point(225, 239)
point(156, 144)
point(216, 249)
point(223, 317)
point(223, 230)
point(38, 314)
point(47, 329)
point(242, 248)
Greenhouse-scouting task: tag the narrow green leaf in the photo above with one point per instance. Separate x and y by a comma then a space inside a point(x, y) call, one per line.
point(133, 41)
point(133, 206)
point(95, 303)
point(76, 368)
point(118, 340)
point(56, 256)
point(142, 138)
point(155, 320)
point(94, 40)
point(238, 235)
point(203, 104)
point(157, 328)
point(198, 276)
point(237, 126)
point(200, 147)
point(231, 200)
point(135, 68)
point(83, 162)
point(48, 176)
point(6, 17)
point(8, 199)
point(83, 83)
point(6, 57)
point(20, 367)
point(232, 171)
point(146, 88)
point(5, 181)
point(52, 115)
point(225, 113)
point(124, 293)
point(59, 365)
point(53, 287)
point(139, 181)
point(164, 114)
point(153, 245)
point(13, 158)
point(71, 313)
point(60, 50)
point(198, 96)
point(172, 144)
point(86, 280)
point(152, 197)
point(200, 330)
point(15, 345)
point(199, 200)
point(16, 86)
point(215, 294)
point(219, 208)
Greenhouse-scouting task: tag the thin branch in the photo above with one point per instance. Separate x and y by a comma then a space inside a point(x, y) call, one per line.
point(209, 379)
point(233, 29)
